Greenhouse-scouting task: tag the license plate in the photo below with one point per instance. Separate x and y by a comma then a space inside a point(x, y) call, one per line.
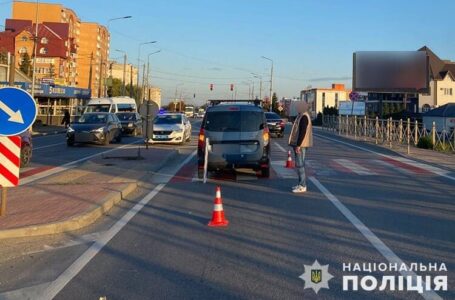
point(161, 137)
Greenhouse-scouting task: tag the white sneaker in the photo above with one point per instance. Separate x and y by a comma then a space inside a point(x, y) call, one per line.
point(299, 189)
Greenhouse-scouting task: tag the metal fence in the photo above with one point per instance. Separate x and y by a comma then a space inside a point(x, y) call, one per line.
point(391, 132)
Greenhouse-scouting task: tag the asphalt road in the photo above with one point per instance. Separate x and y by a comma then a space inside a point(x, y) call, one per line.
point(364, 205)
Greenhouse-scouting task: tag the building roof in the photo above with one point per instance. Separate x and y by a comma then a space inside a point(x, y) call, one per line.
point(447, 110)
point(439, 68)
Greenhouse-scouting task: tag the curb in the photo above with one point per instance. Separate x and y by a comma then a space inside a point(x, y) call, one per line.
point(74, 223)
point(38, 134)
point(83, 219)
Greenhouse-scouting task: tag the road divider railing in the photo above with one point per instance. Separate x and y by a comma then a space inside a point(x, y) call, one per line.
point(391, 132)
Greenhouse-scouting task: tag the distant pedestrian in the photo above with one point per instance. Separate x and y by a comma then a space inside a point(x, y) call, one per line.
point(66, 119)
point(300, 140)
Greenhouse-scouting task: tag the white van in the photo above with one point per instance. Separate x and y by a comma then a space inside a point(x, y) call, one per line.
point(113, 105)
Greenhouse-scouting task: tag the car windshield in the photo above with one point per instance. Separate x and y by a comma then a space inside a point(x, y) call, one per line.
point(168, 119)
point(126, 107)
point(93, 119)
point(126, 117)
point(272, 116)
point(234, 121)
point(98, 108)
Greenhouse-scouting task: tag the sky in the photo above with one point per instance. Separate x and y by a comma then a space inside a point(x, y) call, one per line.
point(221, 42)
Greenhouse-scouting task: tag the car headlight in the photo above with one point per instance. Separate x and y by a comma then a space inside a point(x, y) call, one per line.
point(70, 129)
point(98, 130)
point(130, 124)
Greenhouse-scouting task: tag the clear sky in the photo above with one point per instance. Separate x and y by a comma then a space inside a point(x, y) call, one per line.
point(222, 41)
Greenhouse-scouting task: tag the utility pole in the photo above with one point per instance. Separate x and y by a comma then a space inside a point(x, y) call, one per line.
point(124, 74)
point(90, 72)
point(271, 82)
point(100, 79)
point(131, 81)
point(35, 46)
point(11, 69)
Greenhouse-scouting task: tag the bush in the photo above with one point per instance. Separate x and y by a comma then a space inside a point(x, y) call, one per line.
point(318, 120)
point(443, 147)
point(425, 142)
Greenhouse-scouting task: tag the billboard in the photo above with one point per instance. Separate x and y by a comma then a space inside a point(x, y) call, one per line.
point(351, 108)
point(391, 72)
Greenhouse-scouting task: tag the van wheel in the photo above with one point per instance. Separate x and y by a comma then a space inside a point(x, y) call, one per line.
point(119, 138)
point(107, 137)
point(265, 172)
point(70, 142)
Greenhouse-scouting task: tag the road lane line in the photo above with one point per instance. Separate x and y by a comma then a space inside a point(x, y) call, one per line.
point(429, 168)
point(353, 167)
point(279, 147)
point(68, 165)
point(47, 146)
point(370, 236)
point(58, 284)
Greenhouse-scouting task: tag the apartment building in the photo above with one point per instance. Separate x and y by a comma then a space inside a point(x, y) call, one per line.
point(318, 98)
point(116, 71)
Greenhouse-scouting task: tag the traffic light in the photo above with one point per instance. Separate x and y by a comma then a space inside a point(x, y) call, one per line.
point(211, 86)
point(232, 87)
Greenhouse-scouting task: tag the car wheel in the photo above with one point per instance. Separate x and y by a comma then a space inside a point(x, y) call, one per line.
point(26, 155)
point(265, 172)
point(107, 138)
point(70, 142)
point(119, 138)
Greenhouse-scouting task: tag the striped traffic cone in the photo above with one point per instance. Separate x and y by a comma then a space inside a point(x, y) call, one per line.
point(218, 219)
point(289, 162)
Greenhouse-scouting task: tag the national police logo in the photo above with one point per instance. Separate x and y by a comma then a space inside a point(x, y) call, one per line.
point(316, 276)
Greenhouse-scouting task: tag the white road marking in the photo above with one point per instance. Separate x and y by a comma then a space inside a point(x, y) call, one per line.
point(370, 236)
point(279, 147)
point(435, 170)
point(354, 167)
point(68, 165)
point(282, 171)
point(47, 146)
point(58, 284)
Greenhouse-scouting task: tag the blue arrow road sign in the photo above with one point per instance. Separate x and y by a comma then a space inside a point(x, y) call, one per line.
point(17, 111)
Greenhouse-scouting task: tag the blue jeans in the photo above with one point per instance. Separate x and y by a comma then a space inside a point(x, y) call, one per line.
point(300, 165)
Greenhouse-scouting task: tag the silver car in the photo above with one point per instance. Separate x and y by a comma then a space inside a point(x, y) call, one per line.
point(171, 128)
point(238, 138)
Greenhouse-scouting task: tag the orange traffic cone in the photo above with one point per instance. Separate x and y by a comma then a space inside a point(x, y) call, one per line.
point(289, 162)
point(218, 219)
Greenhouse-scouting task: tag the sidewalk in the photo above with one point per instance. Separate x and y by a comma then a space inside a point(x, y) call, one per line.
point(440, 159)
point(76, 198)
point(40, 130)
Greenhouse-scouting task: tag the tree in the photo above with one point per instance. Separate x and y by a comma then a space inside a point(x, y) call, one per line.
point(51, 70)
point(26, 64)
point(3, 57)
point(275, 103)
point(116, 88)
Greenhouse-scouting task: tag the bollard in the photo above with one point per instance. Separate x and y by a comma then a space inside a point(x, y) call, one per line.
point(355, 127)
point(433, 134)
point(377, 129)
point(416, 133)
point(408, 134)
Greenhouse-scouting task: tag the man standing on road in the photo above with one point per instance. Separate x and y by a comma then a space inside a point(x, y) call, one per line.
point(300, 139)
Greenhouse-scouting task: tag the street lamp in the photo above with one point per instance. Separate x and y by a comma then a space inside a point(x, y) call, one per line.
point(260, 84)
point(271, 80)
point(148, 72)
point(114, 19)
point(180, 105)
point(124, 71)
point(138, 66)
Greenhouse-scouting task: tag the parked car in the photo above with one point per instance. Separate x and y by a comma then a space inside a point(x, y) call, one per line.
point(171, 128)
point(238, 138)
point(131, 123)
point(275, 123)
point(26, 148)
point(200, 113)
point(101, 128)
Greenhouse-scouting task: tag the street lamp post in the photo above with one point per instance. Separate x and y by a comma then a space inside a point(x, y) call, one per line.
point(148, 72)
point(260, 84)
point(138, 94)
point(124, 71)
point(105, 67)
point(35, 46)
point(271, 81)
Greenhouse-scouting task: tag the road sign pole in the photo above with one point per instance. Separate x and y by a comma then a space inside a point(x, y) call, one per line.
point(3, 200)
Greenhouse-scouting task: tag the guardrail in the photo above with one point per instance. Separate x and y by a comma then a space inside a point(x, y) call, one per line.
point(390, 132)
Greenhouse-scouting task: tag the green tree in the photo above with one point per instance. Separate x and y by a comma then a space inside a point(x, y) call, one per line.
point(51, 70)
point(26, 64)
point(116, 88)
point(386, 109)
